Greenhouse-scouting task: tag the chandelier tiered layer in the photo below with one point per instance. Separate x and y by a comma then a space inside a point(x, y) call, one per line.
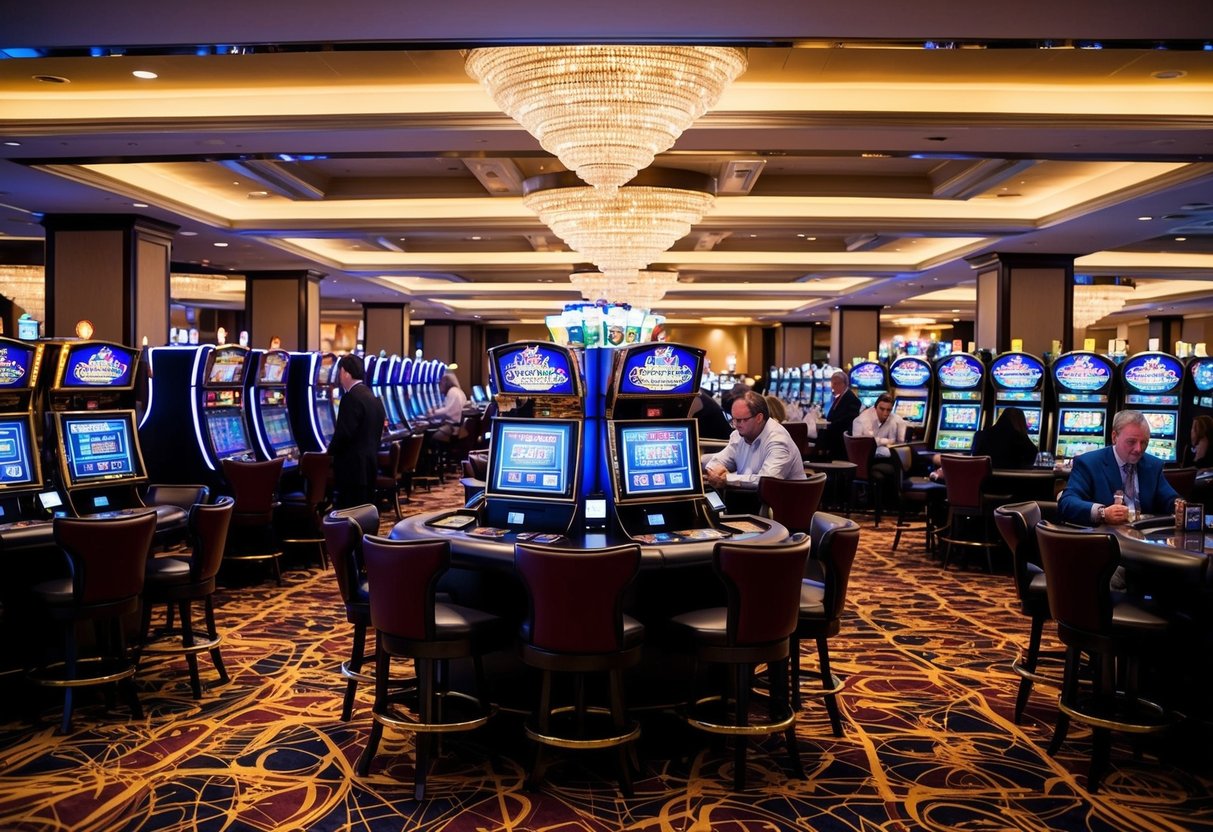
point(1096, 300)
point(605, 111)
point(624, 230)
point(641, 292)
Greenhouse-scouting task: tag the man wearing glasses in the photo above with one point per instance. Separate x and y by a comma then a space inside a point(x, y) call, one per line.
point(758, 447)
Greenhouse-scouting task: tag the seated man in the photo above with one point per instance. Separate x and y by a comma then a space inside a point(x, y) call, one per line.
point(1124, 467)
point(758, 447)
point(844, 407)
point(887, 428)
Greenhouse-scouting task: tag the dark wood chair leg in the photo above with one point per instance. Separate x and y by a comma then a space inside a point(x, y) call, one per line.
point(355, 665)
point(827, 682)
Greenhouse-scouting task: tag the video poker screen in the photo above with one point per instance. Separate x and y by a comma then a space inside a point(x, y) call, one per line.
point(99, 447)
point(227, 433)
point(1082, 421)
point(16, 452)
point(324, 418)
point(226, 366)
point(273, 368)
point(534, 458)
point(913, 411)
point(278, 428)
point(657, 459)
point(959, 417)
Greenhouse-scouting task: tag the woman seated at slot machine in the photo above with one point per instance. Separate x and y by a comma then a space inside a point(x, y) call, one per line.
point(1007, 442)
point(1200, 454)
point(448, 415)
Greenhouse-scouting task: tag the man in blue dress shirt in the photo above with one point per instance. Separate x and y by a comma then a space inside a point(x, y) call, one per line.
point(1124, 466)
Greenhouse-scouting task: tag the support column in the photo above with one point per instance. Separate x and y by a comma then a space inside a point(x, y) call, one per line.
point(285, 304)
point(458, 343)
point(1167, 329)
point(1024, 296)
point(385, 328)
point(854, 332)
point(111, 269)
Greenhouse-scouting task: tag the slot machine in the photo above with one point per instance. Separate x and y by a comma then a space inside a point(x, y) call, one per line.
point(26, 503)
point(794, 382)
point(380, 383)
point(1151, 382)
point(961, 395)
point(822, 393)
point(775, 381)
point(869, 379)
point(311, 377)
point(1083, 383)
point(1017, 379)
point(397, 389)
point(268, 408)
point(1200, 397)
point(912, 378)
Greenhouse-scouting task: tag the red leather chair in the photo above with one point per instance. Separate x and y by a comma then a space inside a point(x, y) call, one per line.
point(792, 503)
point(966, 478)
point(344, 530)
point(251, 537)
point(861, 450)
point(300, 513)
point(387, 484)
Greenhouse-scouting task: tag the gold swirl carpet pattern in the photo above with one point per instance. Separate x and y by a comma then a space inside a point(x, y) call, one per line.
point(929, 743)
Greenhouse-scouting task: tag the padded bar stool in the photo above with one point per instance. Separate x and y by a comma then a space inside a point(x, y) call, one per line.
point(411, 624)
point(300, 513)
point(823, 597)
point(575, 624)
point(1115, 635)
point(861, 450)
point(107, 559)
point(913, 490)
point(762, 583)
point(170, 580)
point(966, 478)
point(344, 530)
point(254, 486)
point(792, 503)
point(387, 484)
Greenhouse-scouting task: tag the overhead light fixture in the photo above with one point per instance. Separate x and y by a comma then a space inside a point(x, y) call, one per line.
point(642, 291)
point(605, 110)
point(626, 229)
point(1097, 297)
point(912, 320)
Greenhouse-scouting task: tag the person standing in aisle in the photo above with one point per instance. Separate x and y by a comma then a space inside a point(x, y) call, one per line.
point(356, 436)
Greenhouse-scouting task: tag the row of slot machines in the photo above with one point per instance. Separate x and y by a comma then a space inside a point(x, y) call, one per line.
point(805, 385)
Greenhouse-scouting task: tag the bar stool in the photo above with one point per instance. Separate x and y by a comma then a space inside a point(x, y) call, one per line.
point(251, 534)
point(107, 559)
point(387, 486)
point(170, 580)
point(792, 503)
point(966, 477)
point(861, 450)
point(344, 530)
point(411, 624)
point(575, 624)
point(300, 513)
point(762, 583)
point(913, 490)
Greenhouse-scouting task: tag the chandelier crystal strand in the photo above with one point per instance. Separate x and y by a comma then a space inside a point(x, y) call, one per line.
point(642, 291)
point(1093, 302)
point(605, 111)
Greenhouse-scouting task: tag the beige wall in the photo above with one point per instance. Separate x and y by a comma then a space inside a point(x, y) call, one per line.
point(89, 283)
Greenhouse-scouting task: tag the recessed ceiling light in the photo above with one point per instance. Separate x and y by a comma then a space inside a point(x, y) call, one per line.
point(1168, 74)
point(476, 237)
point(189, 233)
point(955, 310)
point(138, 204)
point(258, 194)
point(52, 79)
point(219, 245)
point(1144, 219)
point(145, 73)
point(13, 144)
point(1180, 239)
point(353, 300)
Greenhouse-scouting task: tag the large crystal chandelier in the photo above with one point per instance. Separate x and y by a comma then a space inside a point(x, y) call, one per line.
point(605, 111)
point(1097, 297)
point(621, 231)
point(642, 291)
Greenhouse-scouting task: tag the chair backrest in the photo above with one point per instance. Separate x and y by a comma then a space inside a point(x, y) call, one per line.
point(477, 464)
point(575, 595)
point(254, 484)
point(965, 476)
point(389, 460)
point(792, 503)
point(902, 456)
point(107, 556)
point(1078, 565)
point(410, 453)
point(314, 467)
point(1017, 524)
point(763, 586)
point(343, 533)
point(182, 496)
point(799, 431)
point(835, 540)
point(403, 576)
point(860, 450)
point(208, 525)
point(1183, 480)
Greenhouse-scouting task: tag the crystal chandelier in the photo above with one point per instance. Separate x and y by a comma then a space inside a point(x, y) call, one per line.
point(1098, 297)
point(642, 292)
point(605, 111)
point(622, 231)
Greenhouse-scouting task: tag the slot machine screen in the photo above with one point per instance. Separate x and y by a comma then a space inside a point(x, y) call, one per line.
point(226, 366)
point(657, 459)
point(324, 375)
point(1164, 434)
point(99, 447)
point(957, 424)
point(913, 411)
point(273, 368)
point(278, 428)
point(534, 458)
point(1079, 430)
point(324, 418)
point(393, 412)
point(16, 364)
point(98, 365)
point(1031, 415)
point(16, 453)
point(228, 436)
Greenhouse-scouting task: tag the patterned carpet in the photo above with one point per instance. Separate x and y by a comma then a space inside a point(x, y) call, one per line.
point(929, 743)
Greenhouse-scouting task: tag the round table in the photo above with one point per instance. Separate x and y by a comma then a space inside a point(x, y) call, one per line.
point(839, 474)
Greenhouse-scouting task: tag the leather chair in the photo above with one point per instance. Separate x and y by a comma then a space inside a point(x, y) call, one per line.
point(792, 503)
point(251, 535)
point(1017, 524)
point(1115, 634)
point(1183, 480)
point(344, 530)
point(861, 450)
point(181, 581)
point(166, 499)
point(799, 431)
point(823, 597)
point(387, 486)
point(300, 513)
point(410, 458)
point(966, 477)
point(912, 492)
point(410, 623)
point(575, 625)
point(762, 585)
point(106, 559)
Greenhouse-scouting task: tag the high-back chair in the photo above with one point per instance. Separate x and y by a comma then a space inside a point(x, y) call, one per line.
point(914, 491)
point(575, 625)
point(411, 623)
point(762, 586)
point(792, 503)
point(1183, 480)
point(1115, 634)
point(387, 484)
point(172, 502)
point(799, 431)
point(861, 450)
point(410, 458)
point(254, 487)
point(966, 478)
point(344, 530)
point(823, 598)
point(181, 581)
point(300, 513)
point(106, 559)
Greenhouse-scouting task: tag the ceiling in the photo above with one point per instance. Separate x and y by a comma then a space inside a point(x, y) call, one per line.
point(852, 165)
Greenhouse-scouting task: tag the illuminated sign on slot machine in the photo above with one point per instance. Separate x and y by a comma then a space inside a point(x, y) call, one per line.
point(665, 368)
point(535, 369)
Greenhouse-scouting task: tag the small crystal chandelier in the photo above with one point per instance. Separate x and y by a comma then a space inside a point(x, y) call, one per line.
point(642, 292)
point(605, 111)
point(623, 231)
point(1097, 297)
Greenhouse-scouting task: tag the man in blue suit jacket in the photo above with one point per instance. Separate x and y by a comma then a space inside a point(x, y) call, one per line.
point(1097, 475)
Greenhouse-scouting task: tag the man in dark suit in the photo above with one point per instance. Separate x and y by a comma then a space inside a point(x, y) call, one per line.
point(355, 444)
point(843, 410)
point(1124, 466)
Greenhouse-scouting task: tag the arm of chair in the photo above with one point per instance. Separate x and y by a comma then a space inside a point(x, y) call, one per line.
point(182, 496)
